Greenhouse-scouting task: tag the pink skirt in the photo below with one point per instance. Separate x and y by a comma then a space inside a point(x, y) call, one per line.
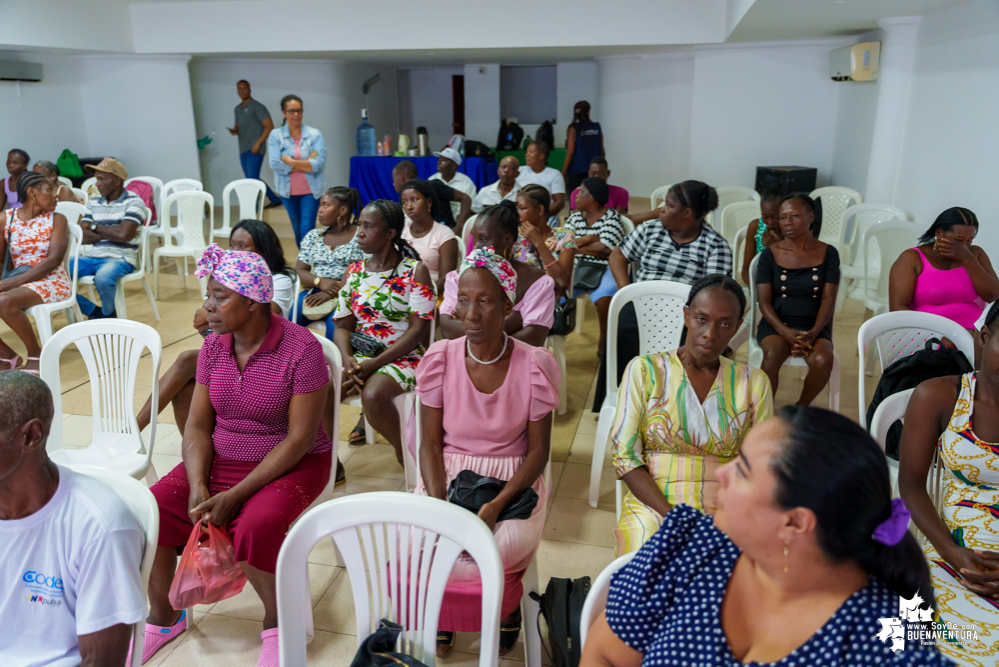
point(518, 540)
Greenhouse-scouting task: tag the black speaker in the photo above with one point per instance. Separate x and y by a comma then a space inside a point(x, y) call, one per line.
point(786, 179)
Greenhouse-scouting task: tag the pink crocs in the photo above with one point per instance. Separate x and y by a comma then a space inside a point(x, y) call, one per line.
point(157, 636)
point(269, 654)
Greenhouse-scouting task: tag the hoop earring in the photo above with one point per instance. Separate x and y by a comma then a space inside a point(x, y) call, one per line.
point(785, 557)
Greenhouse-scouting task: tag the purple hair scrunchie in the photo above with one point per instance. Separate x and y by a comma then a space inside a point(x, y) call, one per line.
point(893, 529)
point(245, 273)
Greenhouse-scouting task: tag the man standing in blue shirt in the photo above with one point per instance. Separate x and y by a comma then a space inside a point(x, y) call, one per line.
point(253, 126)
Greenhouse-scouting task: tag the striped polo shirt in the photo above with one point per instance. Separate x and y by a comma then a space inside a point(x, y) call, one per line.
point(102, 212)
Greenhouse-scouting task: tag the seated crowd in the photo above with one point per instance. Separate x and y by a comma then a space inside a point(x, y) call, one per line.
point(773, 532)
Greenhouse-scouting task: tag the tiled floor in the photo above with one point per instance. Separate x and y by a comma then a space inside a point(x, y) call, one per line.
point(577, 540)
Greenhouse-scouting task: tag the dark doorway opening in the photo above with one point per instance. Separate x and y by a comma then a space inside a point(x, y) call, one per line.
point(458, 103)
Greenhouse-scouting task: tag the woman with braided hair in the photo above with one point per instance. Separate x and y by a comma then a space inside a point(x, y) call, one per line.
point(37, 238)
point(384, 311)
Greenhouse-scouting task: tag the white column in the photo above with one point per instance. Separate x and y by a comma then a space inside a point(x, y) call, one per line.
point(898, 56)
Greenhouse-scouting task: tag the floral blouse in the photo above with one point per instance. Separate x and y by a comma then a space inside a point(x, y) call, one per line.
point(327, 262)
point(383, 301)
point(561, 239)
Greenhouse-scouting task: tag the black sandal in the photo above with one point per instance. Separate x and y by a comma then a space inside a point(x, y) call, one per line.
point(357, 437)
point(509, 634)
point(445, 642)
point(341, 475)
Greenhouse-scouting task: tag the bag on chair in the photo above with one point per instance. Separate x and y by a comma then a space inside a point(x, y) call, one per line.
point(378, 650)
point(208, 571)
point(562, 607)
point(565, 318)
point(588, 275)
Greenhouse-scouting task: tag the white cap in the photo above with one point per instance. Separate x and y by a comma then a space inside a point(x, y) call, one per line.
point(451, 154)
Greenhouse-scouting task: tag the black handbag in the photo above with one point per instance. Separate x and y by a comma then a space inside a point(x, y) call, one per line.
point(588, 275)
point(378, 650)
point(565, 318)
point(368, 346)
point(472, 490)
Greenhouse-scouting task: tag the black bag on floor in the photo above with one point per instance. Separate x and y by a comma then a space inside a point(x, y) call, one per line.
point(378, 650)
point(510, 136)
point(562, 607)
point(908, 372)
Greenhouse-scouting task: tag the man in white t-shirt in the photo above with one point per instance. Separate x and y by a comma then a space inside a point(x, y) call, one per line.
point(505, 188)
point(71, 588)
point(537, 171)
point(448, 161)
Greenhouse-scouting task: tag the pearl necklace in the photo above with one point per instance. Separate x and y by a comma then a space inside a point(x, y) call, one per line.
point(468, 346)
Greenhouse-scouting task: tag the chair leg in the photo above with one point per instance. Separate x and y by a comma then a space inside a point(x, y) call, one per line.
point(604, 424)
point(151, 476)
point(369, 433)
point(558, 344)
point(529, 610)
point(580, 309)
point(156, 277)
point(93, 297)
point(844, 288)
point(44, 323)
point(834, 384)
point(152, 299)
point(120, 308)
point(181, 276)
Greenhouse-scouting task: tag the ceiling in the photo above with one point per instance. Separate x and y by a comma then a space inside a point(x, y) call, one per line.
point(776, 20)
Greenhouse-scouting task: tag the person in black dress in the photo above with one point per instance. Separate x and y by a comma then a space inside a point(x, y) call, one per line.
point(796, 283)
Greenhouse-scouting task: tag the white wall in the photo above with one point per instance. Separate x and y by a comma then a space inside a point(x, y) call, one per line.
point(138, 109)
point(94, 25)
point(331, 94)
point(761, 106)
point(950, 155)
point(43, 118)
point(575, 82)
point(429, 103)
point(482, 102)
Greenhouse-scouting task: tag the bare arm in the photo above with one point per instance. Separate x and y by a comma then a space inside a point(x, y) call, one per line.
point(982, 275)
point(639, 218)
point(594, 249)
point(538, 453)
point(641, 484)
point(558, 203)
point(619, 268)
point(262, 139)
point(297, 165)
point(570, 149)
point(605, 649)
point(432, 452)
point(764, 298)
point(902, 280)
point(447, 262)
point(749, 252)
point(465, 208)
point(197, 449)
point(105, 648)
point(3, 198)
point(120, 233)
point(826, 307)
point(451, 326)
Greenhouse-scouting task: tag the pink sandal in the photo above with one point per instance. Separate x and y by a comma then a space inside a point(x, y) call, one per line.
point(15, 362)
point(32, 371)
point(157, 636)
point(269, 654)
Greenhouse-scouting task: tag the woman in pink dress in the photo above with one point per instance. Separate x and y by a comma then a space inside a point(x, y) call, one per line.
point(487, 401)
point(498, 227)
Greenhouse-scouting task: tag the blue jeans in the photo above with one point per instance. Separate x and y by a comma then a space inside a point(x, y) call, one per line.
point(106, 272)
point(305, 321)
point(251, 169)
point(302, 210)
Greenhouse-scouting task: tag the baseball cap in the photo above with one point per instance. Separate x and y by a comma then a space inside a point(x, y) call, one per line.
point(451, 154)
point(111, 166)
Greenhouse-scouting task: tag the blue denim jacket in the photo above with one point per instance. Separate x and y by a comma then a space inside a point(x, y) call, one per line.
point(280, 143)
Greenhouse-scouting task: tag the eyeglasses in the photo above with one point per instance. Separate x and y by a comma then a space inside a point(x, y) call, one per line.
point(296, 112)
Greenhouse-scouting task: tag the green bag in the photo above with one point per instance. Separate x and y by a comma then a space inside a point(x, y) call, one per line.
point(69, 165)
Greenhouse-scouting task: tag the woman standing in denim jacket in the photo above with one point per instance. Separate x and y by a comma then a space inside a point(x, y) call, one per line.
point(297, 155)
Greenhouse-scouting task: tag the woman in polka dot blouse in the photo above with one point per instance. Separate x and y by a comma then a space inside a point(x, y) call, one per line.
point(804, 564)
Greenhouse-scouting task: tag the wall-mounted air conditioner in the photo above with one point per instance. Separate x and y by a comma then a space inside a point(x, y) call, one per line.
point(15, 70)
point(859, 62)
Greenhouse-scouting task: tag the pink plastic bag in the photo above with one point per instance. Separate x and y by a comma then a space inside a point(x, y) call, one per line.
point(208, 571)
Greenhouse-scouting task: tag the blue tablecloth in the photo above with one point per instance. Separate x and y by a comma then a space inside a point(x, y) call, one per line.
point(372, 176)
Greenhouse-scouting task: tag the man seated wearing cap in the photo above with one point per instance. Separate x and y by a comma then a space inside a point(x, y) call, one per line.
point(406, 171)
point(111, 224)
point(72, 587)
point(505, 188)
point(617, 196)
point(448, 161)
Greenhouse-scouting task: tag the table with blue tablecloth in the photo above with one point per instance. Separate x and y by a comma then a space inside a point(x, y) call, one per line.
point(372, 176)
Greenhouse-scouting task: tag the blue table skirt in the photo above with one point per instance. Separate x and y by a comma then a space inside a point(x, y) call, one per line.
point(372, 176)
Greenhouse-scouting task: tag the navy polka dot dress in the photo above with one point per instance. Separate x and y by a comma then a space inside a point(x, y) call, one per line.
point(666, 603)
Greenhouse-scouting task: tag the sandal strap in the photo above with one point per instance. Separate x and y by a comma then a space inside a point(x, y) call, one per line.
point(509, 628)
point(446, 638)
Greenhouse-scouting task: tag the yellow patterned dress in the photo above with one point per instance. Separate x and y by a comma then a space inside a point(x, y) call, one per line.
point(660, 424)
point(970, 508)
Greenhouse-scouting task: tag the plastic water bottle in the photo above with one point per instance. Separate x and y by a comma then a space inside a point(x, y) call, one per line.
point(366, 136)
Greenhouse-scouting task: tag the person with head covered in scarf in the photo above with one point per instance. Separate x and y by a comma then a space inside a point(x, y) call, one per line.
point(487, 401)
point(255, 453)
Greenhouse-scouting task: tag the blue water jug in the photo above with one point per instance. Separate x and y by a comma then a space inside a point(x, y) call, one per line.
point(366, 136)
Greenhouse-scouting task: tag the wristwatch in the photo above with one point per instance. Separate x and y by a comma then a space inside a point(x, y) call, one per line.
point(317, 282)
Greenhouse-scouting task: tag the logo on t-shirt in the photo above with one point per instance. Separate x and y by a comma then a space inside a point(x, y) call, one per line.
point(44, 589)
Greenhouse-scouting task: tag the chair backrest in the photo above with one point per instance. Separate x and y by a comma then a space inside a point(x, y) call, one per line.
point(73, 213)
point(628, 225)
point(71, 210)
point(191, 216)
point(332, 422)
point(140, 500)
point(250, 194)
point(738, 251)
point(730, 194)
point(111, 350)
point(398, 549)
point(659, 307)
point(89, 183)
point(293, 312)
point(170, 187)
point(736, 216)
point(65, 181)
point(835, 201)
point(893, 238)
point(81, 195)
point(659, 195)
point(466, 233)
point(902, 333)
point(143, 239)
point(155, 183)
point(858, 218)
point(596, 599)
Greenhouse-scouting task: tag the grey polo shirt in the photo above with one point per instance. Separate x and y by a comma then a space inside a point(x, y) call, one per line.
point(251, 125)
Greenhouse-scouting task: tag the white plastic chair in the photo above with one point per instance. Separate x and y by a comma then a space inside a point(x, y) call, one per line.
point(140, 500)
point(165, 214)
point(89, 183)
point(756, 352)
point(556, 344)
point(293, 312)
point(250, 193)
point(71, 210)
point(659, 307)
point(596, 599)
point(738, 215)
point(81, 195)
point(889, 411)
point(111, 350)
point(402, 548)
point(139, 274)
point(659, 196)
point(742, 335)
point(157, 186)
point(856, 221)
point(728, 195)
point(65, 181)
point(835, 200)
point(893, 237)
point(335, 364)
point(43, 311)
point(466, 232)
point(191, 212)
point(900, 334)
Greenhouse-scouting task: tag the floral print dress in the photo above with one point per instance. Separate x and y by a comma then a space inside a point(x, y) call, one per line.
point(382, 302)
point(29, 244)
point(561, 239)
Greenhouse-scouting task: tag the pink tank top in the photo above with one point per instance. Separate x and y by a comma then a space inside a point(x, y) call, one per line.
point(948, 293)
point(12, 201)
point(299, 183)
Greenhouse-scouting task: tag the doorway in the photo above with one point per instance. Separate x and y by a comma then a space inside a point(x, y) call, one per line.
point(458, 103)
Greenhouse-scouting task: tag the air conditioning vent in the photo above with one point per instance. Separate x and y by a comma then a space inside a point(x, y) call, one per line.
point(859, 62)
point(15, 70)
